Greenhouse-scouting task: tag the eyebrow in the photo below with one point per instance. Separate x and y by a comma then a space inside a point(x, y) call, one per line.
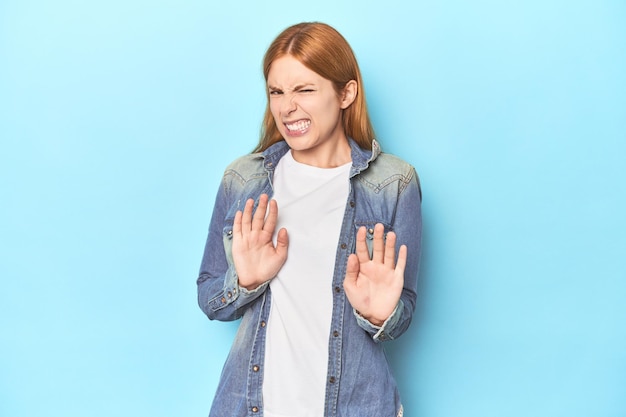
point(297, 87)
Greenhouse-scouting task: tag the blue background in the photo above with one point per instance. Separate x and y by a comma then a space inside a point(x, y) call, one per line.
point(117, 119)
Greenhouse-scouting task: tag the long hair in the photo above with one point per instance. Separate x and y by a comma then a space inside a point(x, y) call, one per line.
point(323, 50)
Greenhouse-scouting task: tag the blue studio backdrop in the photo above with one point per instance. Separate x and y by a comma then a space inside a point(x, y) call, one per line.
point(117, 119)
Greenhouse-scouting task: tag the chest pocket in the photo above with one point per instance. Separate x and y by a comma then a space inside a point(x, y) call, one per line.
point(227, 229)
point(369, 232)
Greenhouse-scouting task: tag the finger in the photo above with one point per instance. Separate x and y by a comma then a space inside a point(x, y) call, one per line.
point(390, 250)
point(352, 272)
point(237, 223)
point(361, 250)
point(379, 243)
point(246, 216)
point(402, 255)
point(272, 217)
point(259, 215)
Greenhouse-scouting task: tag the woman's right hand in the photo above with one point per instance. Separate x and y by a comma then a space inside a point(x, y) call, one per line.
point(256, 258)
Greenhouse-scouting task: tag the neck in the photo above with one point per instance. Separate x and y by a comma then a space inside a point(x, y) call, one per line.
point(329, 157)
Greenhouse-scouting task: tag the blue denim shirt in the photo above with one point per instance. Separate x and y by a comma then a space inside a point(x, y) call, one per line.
point(383, 189)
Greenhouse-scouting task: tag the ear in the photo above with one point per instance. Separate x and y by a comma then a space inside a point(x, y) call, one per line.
point(349, 94)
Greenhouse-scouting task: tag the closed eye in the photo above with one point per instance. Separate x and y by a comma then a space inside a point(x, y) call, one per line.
point(275, 92)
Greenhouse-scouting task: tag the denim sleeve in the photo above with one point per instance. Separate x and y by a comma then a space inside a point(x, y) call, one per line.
point(407, 225)
point(219, 295)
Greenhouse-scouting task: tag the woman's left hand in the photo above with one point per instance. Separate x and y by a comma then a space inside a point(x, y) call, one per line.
point(373, 286)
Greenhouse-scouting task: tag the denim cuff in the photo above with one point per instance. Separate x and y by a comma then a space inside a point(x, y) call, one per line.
point(381, 333)
point(233, 293)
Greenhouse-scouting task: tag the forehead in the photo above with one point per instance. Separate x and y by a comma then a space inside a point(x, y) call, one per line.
point(287, 70)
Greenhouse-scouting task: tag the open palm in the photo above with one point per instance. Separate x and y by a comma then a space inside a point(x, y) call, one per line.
point(256, 258)
point(373, 286)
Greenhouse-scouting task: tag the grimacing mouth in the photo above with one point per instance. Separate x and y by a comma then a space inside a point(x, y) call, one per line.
point(298, 125)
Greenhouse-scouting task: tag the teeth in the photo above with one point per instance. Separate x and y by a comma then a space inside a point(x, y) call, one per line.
point(299, 125)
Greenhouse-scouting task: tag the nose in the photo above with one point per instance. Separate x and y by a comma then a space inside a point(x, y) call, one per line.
point(288, 104)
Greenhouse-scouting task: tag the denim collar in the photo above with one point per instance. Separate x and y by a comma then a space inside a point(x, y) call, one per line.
point(360, 157)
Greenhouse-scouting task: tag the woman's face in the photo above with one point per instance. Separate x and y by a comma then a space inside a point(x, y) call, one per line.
point(307, 111)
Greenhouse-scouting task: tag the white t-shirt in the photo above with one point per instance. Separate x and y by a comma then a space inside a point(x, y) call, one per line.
point(311, 204)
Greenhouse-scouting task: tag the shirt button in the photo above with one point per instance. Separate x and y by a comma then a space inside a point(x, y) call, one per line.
point(255, 368)
point(337, 290)
point(352, 204)
point(370, 231)
point(335, 333)
point(331, 379)
point(255, 409)
point(343, 246)
point(262, 324)
point(230, 294)
point(223, 300)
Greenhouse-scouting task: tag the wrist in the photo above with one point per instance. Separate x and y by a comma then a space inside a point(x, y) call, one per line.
point(376, 322)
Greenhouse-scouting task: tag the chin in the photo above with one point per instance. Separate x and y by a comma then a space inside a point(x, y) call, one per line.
point(297, 143)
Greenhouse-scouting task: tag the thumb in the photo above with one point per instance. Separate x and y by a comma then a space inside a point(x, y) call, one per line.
point(282, 242)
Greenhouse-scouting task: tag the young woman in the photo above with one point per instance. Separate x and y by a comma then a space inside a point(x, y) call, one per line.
point(314, 243)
